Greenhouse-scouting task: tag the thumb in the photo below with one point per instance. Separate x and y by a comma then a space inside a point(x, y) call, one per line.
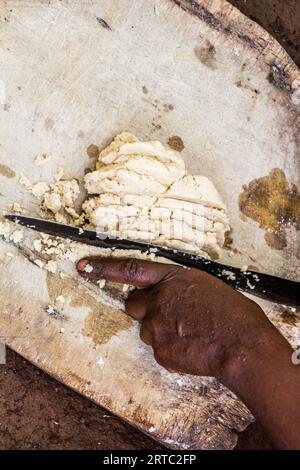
point(139, 273)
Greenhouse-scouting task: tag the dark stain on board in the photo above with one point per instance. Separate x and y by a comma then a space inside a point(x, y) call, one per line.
point(245, 38)
point(101, 322)
point(49, 123)
point(200, 11)
point(176, 143)
point(103, 23)
point(274, 203)
point(228, 239)
point(276, 239)
point(279, 77)
point(247, 86)
point(168, 107)
point(104, 323)
point(144, 89)
point(288, 317)
point(6, 171)
point(207, 55)
point(93, 151)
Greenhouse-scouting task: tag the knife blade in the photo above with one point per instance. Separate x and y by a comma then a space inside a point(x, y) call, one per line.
point(273, 288)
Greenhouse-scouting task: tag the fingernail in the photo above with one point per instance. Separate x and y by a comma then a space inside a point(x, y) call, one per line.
point(81, 264)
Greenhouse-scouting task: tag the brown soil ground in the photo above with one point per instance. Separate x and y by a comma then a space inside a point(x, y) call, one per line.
point(36, 412)
point(281, 18)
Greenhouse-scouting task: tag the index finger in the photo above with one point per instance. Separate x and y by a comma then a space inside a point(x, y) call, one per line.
point(138, 273)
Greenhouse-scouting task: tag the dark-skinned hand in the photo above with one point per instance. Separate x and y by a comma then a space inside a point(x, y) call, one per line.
point(196, 324)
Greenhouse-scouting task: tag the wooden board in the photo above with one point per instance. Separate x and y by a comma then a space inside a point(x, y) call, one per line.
point(76, 73)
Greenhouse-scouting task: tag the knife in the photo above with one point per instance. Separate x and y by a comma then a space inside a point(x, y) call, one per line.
point(263, 285)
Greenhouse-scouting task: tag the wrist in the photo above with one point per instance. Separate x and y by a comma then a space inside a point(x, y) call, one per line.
point(251, 358)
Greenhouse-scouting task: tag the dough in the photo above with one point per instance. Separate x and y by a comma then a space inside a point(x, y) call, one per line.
point(59, 198)
point(141, 190)
point(195, 188)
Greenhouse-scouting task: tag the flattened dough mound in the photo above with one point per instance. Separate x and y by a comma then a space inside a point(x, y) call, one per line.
point(141, 190)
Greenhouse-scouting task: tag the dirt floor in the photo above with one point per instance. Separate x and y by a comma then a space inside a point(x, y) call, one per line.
point(36, 412)
point(281, 18)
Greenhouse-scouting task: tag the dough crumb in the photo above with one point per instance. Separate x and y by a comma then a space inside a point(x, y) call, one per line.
point(50, 246)
point(101, 283)
point(39, 189)
point(5, 229)
point(244, 268)
point(60, 198)
point(251, 286)
point(37, 244)
point(60, 299)
point(17, 208)
point(51, 266)
point(229, 274)
point(17, 236)
point(42, 158)
point(25, 182)
point(88, 268)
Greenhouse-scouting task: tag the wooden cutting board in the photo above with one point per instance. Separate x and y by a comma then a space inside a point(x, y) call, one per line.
point(198, 75)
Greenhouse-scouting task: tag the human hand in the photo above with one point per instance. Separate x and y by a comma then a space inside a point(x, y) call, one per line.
point(195, 323)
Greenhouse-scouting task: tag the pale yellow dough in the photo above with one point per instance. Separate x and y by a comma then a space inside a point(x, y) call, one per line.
point(141, 190)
